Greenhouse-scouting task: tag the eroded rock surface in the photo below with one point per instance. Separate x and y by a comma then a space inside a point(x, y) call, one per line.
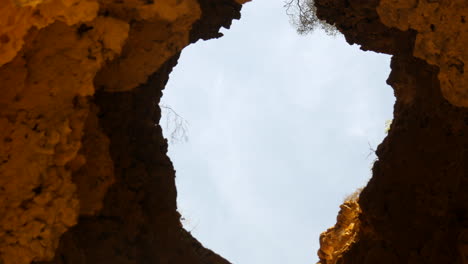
point(339, 238)
point(441, 39)
point(80, 146)
point(84, 175)
point(415, 207)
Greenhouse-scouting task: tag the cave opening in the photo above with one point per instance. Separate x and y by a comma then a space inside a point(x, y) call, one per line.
point(276, 130)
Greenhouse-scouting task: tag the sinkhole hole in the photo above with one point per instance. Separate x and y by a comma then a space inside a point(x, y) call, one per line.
point(269, 131)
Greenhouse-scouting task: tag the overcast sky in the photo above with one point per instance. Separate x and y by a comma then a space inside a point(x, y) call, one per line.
point(279, 133)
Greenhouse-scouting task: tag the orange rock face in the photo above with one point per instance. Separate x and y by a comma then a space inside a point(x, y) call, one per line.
point(415, 207)
point(338, 239)
point(43, 113)
point(56, 161)
point(442, 35)
point(84, 175)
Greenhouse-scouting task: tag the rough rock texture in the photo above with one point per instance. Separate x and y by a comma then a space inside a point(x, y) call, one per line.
point(441, 39)
point(138, 222)
point(415, 207)
point(19, 16)
point(84, 175)
point(43, 115)
point(80, 146)
point(339, 238)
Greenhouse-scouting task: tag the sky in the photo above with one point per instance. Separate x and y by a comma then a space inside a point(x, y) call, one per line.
point(280, 129)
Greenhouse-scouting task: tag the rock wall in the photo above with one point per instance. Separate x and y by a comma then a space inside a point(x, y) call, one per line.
point(415, 207)
point(441, 38)
point(84, 176)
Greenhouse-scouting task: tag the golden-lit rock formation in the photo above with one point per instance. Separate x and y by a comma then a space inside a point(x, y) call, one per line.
point(441, 39)
point(338, 239)
point(55, 160)
point(148, 46)
point(84, 174)
point(415, 207)
point(19, 16)
point(43, 114)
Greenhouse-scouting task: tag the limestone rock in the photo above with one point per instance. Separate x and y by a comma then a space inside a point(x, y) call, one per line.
point(84, 172)
point(337, 240)
point(415, 207)
point(56, 164)
point(441, 40)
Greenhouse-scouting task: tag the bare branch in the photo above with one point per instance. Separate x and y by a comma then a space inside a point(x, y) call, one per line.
point(176, 124)
point(302, 14)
